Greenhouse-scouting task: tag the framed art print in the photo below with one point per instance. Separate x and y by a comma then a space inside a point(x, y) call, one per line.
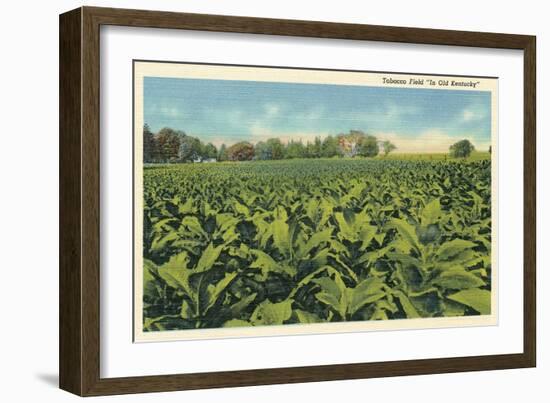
point(237, 193)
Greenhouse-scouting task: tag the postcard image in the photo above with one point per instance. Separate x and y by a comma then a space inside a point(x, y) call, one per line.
point(281, 201)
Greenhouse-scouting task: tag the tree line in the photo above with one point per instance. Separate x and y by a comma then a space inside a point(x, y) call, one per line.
point(170, 146)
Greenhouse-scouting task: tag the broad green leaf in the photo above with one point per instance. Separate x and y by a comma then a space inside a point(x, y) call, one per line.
point(406, 231)
point(148, 268)
point(475, 298)
point(241, 208)
point(452, 248)
point(331, 301)
point(208, 258)
point(175, 272)
point(164, 225)
point(149, 280)
point(213, 292)
point(366, 235)
point(452, 308)
point(306, 317)
point(406, 304)
point(187, 207)
point(241, 305)
point(269, 313)
point(405, 260)
point(237, 323)
point(330, 287)
point(320, 258)
point(458, 279)
point(281, 236)
point(267, 264)
point(431, 213)
point(366, 292)
point(224, 221)
point(192, 224)
point(160, 242)
point(186, 311)
point(346, 229)
point(315, 241)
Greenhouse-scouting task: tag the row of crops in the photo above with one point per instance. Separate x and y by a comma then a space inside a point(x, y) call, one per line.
point(280, 242)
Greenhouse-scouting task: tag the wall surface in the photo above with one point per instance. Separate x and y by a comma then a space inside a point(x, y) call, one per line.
point(29, 202)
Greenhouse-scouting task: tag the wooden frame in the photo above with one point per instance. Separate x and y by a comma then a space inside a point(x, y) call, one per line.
point(79, 201)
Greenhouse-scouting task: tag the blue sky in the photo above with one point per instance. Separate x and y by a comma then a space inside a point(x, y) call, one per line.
point(227, 111)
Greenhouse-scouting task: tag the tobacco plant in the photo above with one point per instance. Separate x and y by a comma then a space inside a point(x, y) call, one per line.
point(307, 241)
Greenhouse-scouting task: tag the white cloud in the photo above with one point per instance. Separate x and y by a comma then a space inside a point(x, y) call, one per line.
point(468, 115)
point(473, 113)
point(172, 112)
point(167, 111)
point(395, 111)
point(271, 110)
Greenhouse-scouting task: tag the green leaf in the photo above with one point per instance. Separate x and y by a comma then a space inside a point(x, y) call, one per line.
point(175, 272)
point(241, 208)
point(431, 213)
point(224, 221)
point(187, 207)
point(242, 304)
point(452, 308)
point(268, 313)
point(407, 232)
point(366, 292)
point(208, 258)
point(405, 260)
point(149, 280)
point(452, 248)
point(406, 304)
point(334, 293)
point(186, 311)
point(458, 279)
point(475, 298)
point(331, 301)
point(267, 264)
point(281, 236)
point(213, 292)
point(237, 323)
point(160, 242)
point(192, 224)
point(366, 235)
point(315, 241)
point(346, 230)
point(306, 317)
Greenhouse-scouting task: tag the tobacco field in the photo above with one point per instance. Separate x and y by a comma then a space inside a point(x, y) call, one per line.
point(307, 241)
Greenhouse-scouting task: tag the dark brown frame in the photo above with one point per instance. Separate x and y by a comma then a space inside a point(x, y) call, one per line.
point(79, 201)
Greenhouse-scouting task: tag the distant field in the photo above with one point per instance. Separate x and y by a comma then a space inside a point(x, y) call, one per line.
point(321, 240)
point(475, 156)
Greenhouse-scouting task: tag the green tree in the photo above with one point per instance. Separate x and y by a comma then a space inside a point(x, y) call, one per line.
point(275, 148)
point(388, 147)
point(168, 144)
point(149, 145)
point(222, 153)
point(357, 142)
point(461, 149)
point(295, 149)
point(191, 149)
point(210, 151)
point(261, 151)
point(368, 146)
point(313, 150)
point(330, 147)
point(242, 151)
